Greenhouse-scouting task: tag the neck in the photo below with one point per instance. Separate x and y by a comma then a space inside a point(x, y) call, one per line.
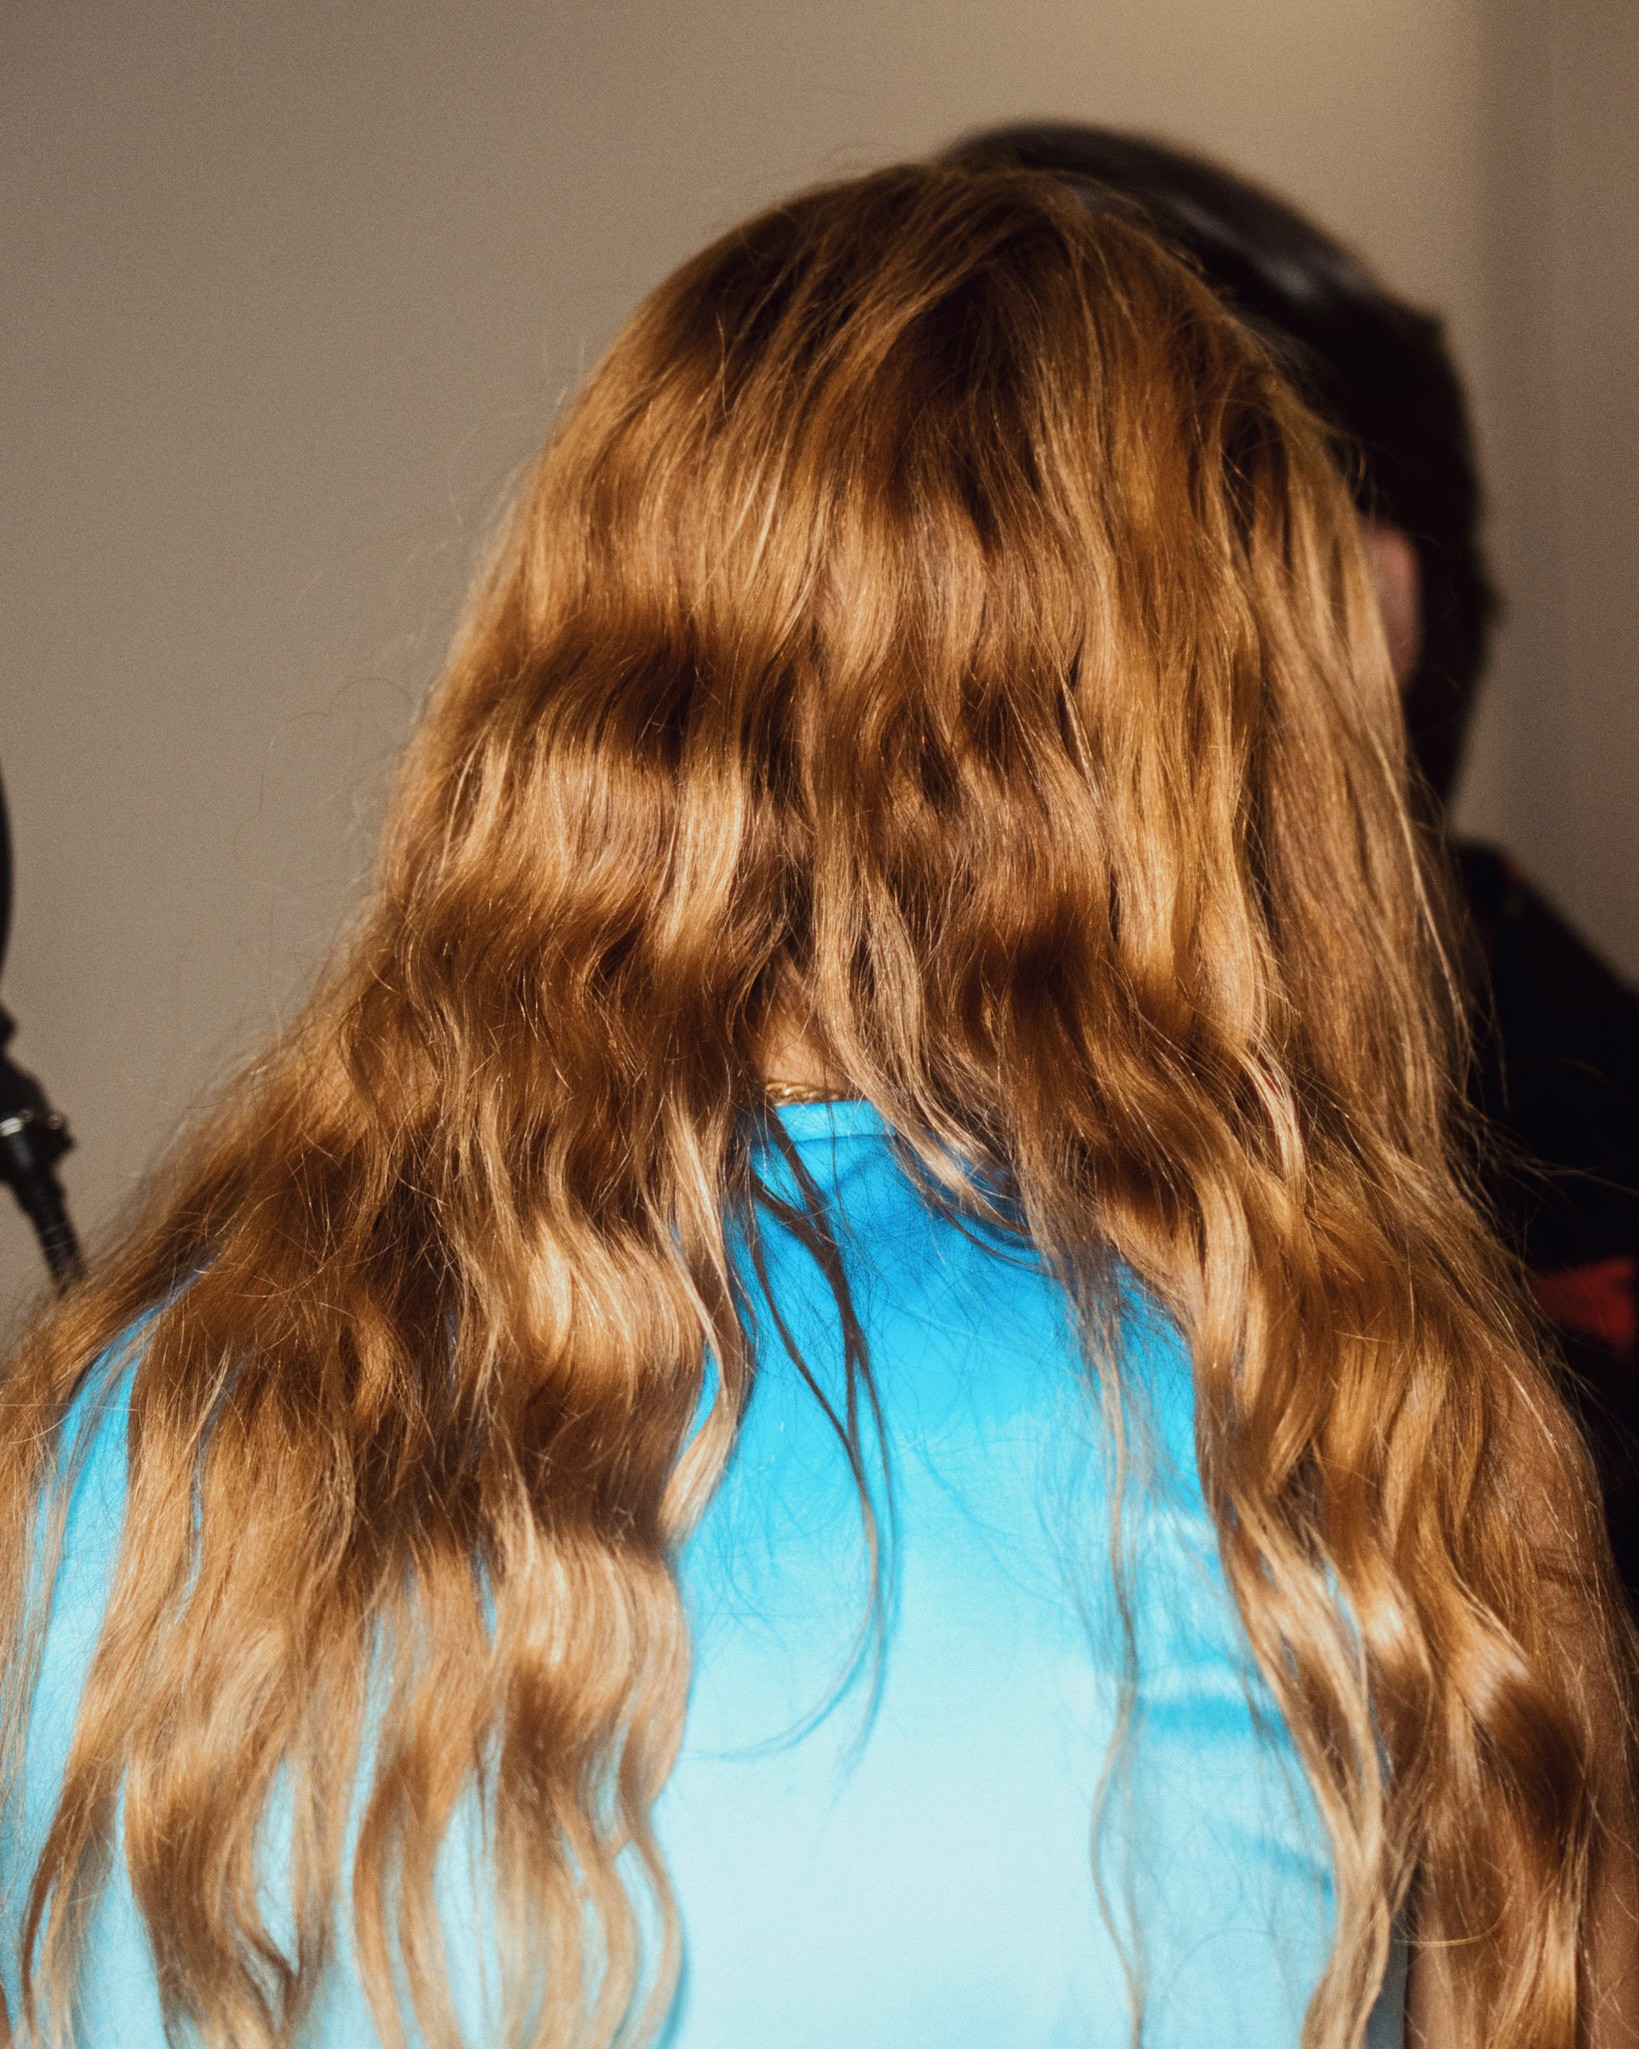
point(794, 1062)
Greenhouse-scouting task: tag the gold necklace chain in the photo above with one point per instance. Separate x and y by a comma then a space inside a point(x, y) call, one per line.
point(787, 1092)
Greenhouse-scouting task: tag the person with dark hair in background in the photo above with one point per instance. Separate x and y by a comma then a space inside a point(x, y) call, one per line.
point(1556, 1072)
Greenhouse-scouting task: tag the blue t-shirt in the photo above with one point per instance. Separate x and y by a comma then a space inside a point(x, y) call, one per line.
point(888, 1841)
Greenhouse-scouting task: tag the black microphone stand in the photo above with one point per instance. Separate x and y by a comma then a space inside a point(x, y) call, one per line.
point(33, 1136)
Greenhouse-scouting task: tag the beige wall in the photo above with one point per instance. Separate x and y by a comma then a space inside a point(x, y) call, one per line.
point(1556, 773)
point(291, 287)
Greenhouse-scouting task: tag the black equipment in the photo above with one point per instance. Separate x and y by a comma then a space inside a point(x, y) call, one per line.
point(33, 1136)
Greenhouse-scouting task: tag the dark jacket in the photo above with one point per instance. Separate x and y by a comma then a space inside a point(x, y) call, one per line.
point(1557, 1076)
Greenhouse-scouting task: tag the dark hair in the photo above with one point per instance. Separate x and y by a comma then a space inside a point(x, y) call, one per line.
point(1376, 367)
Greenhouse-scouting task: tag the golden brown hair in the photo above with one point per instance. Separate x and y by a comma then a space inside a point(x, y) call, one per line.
point(936, 624)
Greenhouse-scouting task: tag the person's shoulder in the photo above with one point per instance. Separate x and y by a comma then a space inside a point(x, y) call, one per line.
point(1555, 994)
point(93, 1445)
point(78, 1534)
point(1518, 918)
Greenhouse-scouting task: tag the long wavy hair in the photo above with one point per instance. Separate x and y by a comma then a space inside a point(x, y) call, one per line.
point(938, 628)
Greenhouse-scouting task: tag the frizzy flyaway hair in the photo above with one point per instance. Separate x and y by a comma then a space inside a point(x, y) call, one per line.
point(936, 622)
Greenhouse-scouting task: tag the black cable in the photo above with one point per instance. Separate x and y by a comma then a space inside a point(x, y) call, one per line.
point(33, 1136)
